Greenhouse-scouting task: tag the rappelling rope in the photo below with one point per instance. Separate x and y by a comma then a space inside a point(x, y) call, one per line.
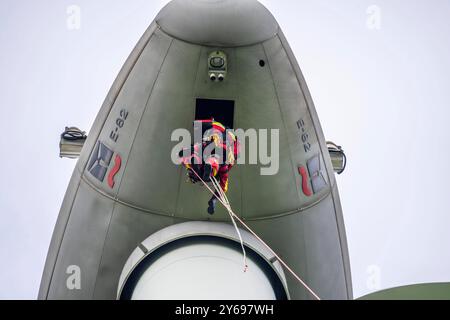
point(230, 211)
point(227, 205)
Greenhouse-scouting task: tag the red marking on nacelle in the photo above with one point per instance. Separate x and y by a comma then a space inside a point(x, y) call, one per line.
point(306, 190)
point(114, 171)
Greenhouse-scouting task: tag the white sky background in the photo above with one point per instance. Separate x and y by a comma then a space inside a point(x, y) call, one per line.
point(381, 93)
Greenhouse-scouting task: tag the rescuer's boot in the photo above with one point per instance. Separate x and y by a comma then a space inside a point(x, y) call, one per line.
point(212, 205)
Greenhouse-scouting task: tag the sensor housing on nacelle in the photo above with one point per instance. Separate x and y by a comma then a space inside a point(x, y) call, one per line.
point(217, 66)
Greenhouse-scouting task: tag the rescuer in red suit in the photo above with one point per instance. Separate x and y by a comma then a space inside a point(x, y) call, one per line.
point(213, 157)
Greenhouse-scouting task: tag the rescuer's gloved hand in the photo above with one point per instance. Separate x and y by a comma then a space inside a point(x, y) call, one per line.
point(192, 177)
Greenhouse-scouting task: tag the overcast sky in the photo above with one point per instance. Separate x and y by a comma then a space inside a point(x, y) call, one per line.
point(379, 74)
